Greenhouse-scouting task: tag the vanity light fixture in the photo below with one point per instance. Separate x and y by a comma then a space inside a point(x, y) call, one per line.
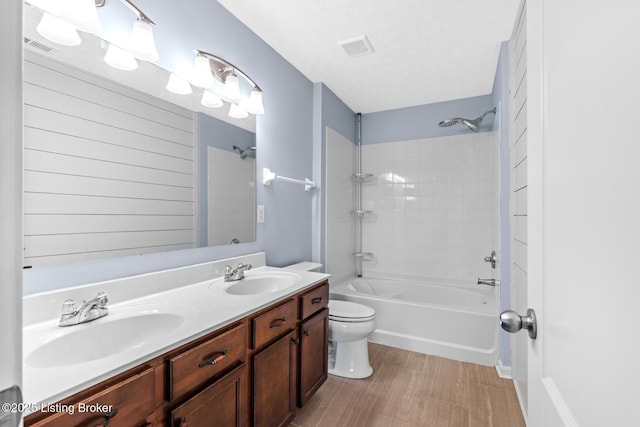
point(82, 14)
point(141, 42)
point(227, 73)
point(231, 89)
point(201, 74)
point(58, 31)
point(178, 85)
point(255, 106)
point(211, 100)
point(237, 111)
point(120, 58)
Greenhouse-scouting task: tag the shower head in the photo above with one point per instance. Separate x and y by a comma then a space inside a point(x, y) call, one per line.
point(474, 124)
point(449, 122)
point(244, 153)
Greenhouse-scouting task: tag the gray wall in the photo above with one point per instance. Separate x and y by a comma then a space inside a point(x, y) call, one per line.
point(284, 140)
point(421, 121)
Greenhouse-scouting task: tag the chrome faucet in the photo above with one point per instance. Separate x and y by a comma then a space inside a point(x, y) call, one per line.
point(233, 274)
point(90, 310)
point(490, 282)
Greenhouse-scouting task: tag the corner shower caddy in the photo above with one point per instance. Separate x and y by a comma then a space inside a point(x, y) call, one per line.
point(359, 178)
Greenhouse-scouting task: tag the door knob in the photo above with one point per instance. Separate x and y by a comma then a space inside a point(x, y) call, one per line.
point(512, 322)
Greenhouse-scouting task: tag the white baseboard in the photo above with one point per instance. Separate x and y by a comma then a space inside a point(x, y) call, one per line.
point(503, 371)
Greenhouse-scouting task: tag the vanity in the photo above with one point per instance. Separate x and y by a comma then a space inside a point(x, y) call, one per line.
point(239, 353)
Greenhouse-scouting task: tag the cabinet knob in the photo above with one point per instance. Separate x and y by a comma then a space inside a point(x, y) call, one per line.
point(295, 341)
point(306, 332)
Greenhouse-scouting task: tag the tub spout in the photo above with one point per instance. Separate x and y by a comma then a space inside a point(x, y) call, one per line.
point(490, 282)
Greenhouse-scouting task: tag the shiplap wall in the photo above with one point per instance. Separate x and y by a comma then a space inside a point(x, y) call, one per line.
point(518, 108)
point(108, 171)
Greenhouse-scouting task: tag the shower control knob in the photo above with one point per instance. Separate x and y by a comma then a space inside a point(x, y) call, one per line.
point(512, 322)
point(492, 259)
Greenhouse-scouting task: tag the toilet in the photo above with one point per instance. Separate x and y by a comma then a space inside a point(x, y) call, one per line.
point(349, 326)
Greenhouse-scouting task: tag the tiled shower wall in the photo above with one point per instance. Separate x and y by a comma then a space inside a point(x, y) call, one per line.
point(435, 207)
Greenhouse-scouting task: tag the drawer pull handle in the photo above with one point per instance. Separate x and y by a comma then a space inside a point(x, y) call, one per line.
point(108, 418)
point(317, 300)
point(220, 355)
point(278, 322)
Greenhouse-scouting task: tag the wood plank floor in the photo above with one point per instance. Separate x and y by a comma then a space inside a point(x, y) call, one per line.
point(414, 389)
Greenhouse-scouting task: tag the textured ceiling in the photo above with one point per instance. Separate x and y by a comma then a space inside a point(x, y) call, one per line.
point(426, 51)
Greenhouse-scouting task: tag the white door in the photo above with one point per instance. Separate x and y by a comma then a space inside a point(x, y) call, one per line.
point(10, 210)
point(584, 211)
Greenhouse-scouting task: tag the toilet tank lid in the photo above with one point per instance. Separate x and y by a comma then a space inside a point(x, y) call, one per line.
point(349, 309)
point(305, 266)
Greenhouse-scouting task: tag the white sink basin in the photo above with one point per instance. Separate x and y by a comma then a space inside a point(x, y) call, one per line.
point(262, 283)
point(105, 337)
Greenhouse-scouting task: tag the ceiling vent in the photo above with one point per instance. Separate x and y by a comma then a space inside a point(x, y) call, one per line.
point(357, 46)
point(37, 45)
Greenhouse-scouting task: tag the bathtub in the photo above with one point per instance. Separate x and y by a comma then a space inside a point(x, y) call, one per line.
point(442, 319)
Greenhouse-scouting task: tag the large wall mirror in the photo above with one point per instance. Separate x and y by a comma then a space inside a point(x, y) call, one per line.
point(117, 165)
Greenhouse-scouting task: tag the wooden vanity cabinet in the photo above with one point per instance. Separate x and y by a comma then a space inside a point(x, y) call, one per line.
point(256, 371)
point(125, 402)
point(313, 355)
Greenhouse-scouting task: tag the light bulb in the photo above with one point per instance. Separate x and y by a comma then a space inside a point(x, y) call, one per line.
point(82, 14)
point(58, 31)
point(178, 85)
point(120, 58)
point(201, 74)
point(141, 42)
point(237, 112)
point(231, 87)
point(255, 106)
point(211, 100)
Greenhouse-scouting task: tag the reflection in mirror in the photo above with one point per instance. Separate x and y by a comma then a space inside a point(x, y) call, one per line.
point(110, 159)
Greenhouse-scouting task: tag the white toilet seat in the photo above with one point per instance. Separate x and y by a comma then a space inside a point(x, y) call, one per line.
point(351, 312)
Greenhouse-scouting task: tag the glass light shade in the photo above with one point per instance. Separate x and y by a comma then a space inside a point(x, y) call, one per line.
point(211, 100)
point(231, 87)
point(141, 42)
point(255, 106)
point(58, 31)
point(120, 58)
point(82, 14)
point(201, 74)
point(237, 112)
point(178, 85)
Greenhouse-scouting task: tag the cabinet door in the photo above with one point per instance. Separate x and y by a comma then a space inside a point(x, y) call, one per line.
point(313, 354)
point(222, 404)
point(274, 382)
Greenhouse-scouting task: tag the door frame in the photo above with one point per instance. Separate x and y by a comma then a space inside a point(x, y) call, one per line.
point(11, 123)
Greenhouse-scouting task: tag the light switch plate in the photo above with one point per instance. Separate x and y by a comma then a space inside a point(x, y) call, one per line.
point(260, 214)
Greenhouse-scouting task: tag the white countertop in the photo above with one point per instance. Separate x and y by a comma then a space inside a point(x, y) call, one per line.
point(203, 307)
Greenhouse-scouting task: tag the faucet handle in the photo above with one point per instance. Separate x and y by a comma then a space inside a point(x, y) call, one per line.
point(68, 306)
point(102, 299)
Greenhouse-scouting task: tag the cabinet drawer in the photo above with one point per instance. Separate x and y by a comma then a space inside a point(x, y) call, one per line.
point(196, 366)
point(314, 300)
point(274, 323)
point(223, 404)
point(128, 402)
